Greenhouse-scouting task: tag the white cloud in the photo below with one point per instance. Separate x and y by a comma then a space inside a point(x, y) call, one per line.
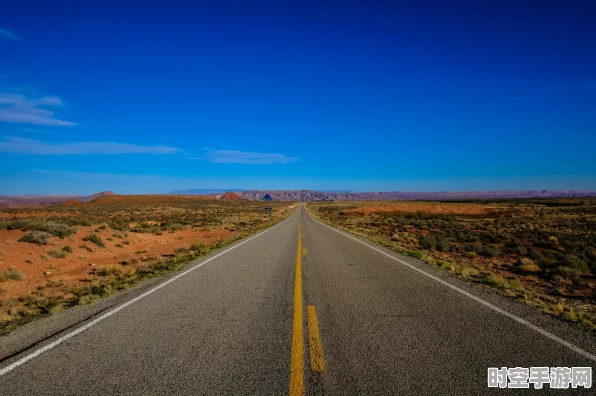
point(20, 109)
point(246, 157)
point(7, 34)
point(18, 145)
point(50, 101)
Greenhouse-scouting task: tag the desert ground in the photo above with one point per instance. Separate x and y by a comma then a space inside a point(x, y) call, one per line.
point(53, 257)
point(541, 251)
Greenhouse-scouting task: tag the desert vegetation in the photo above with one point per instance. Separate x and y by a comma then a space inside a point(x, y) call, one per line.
point(55, 257)
point(541, 251)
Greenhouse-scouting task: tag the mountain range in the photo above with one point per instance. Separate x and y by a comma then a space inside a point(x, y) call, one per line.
point(311, 195)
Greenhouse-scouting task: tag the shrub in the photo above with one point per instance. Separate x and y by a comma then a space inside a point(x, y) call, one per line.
point(528, 266)
point(521, 250)
point(37, 237)
point(56, 253)
point(73, 221)
point(414, 254)
point(199, 247)
point(96, 239)
point(567, 272)
point(428, 243)
point(489, 251)
point(494, 281)
point(110, 269)
point(576, 263)
point(59, 229)
point(12, 274)
point(16, 224)
point(437, 242)
point(66, 249)
point(443, 244)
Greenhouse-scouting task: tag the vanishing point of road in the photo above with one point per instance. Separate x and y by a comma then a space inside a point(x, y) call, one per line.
point(301, 308)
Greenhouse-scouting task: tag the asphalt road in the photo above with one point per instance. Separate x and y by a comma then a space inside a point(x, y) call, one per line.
point(242, 323)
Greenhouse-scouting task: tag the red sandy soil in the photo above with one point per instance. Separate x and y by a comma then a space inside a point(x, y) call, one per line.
point(79, 264)
point(230, 196)
point(460, 209)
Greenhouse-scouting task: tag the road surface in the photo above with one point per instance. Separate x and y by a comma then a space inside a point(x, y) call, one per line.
point(298, 309)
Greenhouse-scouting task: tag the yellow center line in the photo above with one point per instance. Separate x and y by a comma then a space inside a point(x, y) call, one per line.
point(297, 362)
point(317, 362)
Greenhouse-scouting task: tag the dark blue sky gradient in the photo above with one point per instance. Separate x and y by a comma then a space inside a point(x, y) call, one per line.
point(368, 96)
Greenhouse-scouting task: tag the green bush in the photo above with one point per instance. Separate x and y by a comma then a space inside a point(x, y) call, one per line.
point(96, 239)
point(59, 229)
point(12, 274)
point(56, 253)
point(37, 237)
point(435, 242)
point(489, 251)
point(200, 247)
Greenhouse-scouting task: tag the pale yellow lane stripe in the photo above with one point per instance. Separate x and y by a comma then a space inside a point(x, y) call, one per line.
point(297, 363)
point(317, 361)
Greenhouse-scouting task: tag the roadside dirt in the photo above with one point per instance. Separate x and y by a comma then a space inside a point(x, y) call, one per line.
point(86, 256)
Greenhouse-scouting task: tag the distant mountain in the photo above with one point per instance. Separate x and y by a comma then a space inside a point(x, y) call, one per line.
point(296, 195)
point(204, 191)
point(46, 200)
point(310, 195)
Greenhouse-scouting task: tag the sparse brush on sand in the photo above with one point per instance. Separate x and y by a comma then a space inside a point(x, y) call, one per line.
point(542, 251)
point(57, 256)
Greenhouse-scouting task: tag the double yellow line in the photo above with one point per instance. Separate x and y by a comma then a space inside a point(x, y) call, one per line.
point(317, 362)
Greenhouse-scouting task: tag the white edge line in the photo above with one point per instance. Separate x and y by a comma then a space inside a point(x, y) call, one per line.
point(81, 329)
point(545, 333)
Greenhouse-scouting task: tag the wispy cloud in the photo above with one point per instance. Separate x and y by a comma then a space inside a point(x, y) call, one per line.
point(18, 145)
point(8, 35)
point(245, 157)
point(50, 101)
point(20, 109)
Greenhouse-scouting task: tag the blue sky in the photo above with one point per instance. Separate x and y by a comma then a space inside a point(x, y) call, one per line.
point(412, 96)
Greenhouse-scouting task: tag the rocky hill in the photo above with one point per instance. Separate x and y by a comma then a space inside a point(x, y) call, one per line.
point(230, 196)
